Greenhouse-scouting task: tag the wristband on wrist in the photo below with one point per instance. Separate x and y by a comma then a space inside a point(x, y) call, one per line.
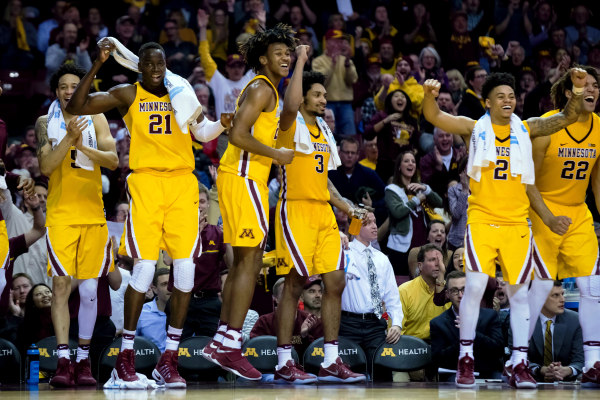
point(577, 91)
point(35, 208)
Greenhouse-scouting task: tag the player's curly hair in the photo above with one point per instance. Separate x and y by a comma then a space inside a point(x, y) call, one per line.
point(257, 44)
point(564, 83)
point(497, 79)
point(309, 78)
point(66, 68)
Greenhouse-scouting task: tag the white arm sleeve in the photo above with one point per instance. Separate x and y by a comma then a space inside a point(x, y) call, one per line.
point(206, 130)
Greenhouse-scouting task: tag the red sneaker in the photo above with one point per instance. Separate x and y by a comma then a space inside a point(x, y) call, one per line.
point(209, 349)
point(591, 378)
point(125, 366)
point(64, 374)
point(339, 372)
point(464, 372)
point(165, 373)
point(292, 373)
point(232, 360)
point(521, 377)
point(83, 373)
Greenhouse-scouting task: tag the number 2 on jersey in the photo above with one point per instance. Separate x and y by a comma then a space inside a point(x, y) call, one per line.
point(156, 124)
point(500, 170)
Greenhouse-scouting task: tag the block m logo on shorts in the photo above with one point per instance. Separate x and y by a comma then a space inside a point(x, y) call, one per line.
point(247, 233)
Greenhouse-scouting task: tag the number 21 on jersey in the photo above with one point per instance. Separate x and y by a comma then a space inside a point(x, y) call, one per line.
point(160, 124)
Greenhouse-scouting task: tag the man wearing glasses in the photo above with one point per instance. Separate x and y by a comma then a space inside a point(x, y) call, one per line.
point(445, 334)
point(472, 104)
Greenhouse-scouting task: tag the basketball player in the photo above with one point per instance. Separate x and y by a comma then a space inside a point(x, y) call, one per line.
point(78, 241)
point(243, 192)
point(163, 198)
point(307, 236)
point(498, 208)
point(565, 243)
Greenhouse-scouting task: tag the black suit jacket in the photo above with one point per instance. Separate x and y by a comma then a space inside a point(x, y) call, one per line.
point(567, 342)
point(488, 346)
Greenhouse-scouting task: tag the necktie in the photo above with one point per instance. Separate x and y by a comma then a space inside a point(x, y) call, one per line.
point(375, 293)
point(548, 344)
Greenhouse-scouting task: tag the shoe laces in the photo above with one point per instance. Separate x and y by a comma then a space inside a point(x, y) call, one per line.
point(84, 366)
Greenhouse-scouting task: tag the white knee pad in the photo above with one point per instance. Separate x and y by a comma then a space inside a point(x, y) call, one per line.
point(589, 286)
point(88, 290)
point(183, 274)
point(143, 273)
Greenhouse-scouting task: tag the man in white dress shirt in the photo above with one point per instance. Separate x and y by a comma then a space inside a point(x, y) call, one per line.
point(370, 283)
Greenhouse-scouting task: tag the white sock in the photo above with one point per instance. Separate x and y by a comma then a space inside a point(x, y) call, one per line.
point(331, 353)
point(284, 354)
point(589, 309)
point(233, 338)
point(220, 331)
point(536, 297)
point(469, 310)
point(63, 350)
point(83, 352)
point(128, 338)
point(173, 338)
point(519, 317)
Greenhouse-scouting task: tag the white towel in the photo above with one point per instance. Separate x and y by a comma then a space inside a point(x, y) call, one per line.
point(483, 149)
point(57, 130)
point(185, 104)
point(304, 143)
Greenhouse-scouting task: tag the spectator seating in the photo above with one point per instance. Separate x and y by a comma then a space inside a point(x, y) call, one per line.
point(10, 362)
point(408, 354)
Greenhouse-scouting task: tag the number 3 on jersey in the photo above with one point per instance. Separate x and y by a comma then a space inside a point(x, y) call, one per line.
point(156, 126)
point(320, 166)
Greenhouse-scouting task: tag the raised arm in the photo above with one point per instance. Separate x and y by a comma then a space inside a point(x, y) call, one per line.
point(557, 224)
point(568, 116)
point(106, 153)
point(458, 125)
point(293, 94)
point(256, 98)
point(85, 103)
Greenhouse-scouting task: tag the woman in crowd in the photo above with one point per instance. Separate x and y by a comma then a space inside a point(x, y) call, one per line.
point(407, 199)
point(456, 85)
point(395, 130)
point(37, 323)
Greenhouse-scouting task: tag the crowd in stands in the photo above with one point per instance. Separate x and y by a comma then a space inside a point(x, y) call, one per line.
point(375, 56)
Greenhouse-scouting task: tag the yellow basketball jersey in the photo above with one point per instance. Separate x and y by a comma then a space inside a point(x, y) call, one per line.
point(568, 162)
point(248, 165)
point(74, 194)
point(157, 142)
point(306, 177)
point(498, 198)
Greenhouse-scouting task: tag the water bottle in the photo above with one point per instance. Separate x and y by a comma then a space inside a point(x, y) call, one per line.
point(33, 365)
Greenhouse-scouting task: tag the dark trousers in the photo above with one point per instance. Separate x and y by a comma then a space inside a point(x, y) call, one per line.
point(368, 334)
point(202, 317)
